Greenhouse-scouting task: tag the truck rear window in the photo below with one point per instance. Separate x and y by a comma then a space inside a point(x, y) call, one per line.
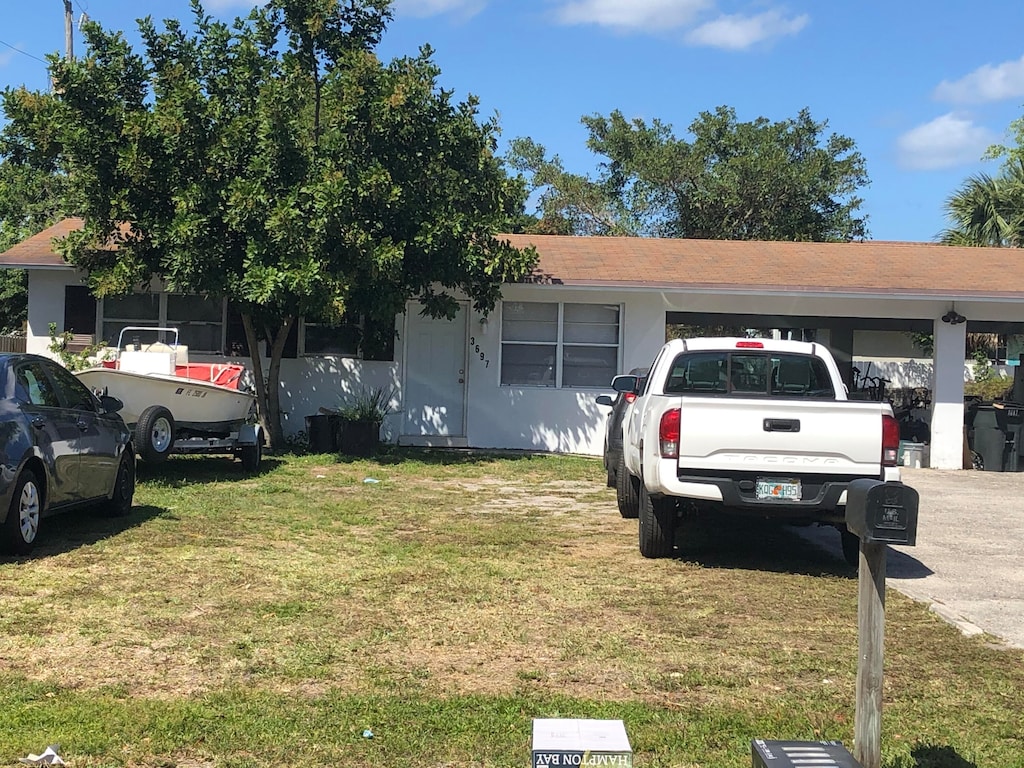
point(749, 373)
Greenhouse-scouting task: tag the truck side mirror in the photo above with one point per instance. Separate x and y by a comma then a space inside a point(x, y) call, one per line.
point(625, 383)
point(882, 512)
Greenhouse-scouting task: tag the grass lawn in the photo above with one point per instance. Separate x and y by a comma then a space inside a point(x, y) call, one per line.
point(272, 620)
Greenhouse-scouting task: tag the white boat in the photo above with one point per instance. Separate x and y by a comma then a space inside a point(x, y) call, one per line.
point(168, 399)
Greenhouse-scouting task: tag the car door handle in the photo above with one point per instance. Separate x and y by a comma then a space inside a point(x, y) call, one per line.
point(38, 422)
point(82, 425)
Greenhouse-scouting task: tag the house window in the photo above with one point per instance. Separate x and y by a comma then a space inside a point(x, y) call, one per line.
point(199, 320)
point(559, 345)
point(340, 339)
point(352, 337)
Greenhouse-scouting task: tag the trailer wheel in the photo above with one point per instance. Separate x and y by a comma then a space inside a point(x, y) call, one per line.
point(657, 524)
point(154, 434)
point(626, 492)
point(251, 456)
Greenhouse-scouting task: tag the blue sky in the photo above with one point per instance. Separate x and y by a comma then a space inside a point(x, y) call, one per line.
point(921, 86)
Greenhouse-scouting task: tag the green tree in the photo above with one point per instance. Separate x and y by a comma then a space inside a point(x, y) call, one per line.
point(32, 194)
point(988, 210)
point(740, 181)
point(278, 162)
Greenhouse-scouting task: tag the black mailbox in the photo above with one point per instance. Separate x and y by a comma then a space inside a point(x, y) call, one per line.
point(801, 754)
point(882, 512)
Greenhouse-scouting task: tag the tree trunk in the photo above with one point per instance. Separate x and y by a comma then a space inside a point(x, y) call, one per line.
point(268, 389)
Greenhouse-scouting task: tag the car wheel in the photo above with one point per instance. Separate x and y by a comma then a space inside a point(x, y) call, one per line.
point(154, 434)
point(22, 526)
point(626, 492)
point(120, 503)
point(657, 524)
point(851, 546)
point(251, 456)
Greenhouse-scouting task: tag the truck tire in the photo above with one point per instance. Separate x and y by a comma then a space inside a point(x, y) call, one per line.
point(657, 524)
point(627, 492)
point(851, 546)
point(154, 434)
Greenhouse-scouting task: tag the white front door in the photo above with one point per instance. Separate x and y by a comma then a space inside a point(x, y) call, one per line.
point(435, 378)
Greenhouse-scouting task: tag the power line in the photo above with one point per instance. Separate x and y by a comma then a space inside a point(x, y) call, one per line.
point(26, 53)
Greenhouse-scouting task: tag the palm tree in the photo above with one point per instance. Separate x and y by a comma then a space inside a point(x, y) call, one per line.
point(988, 210)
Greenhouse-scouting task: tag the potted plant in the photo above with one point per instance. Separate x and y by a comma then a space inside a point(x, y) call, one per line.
point(361, 418)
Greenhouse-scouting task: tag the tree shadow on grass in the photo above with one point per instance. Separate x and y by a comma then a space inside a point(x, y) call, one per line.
point(934, 756)
point(181, 470)
point(392, 454)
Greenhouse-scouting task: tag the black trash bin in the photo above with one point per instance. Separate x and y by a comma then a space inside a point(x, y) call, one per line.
point(321, 433)
point(997, 435)
point(1010, 419)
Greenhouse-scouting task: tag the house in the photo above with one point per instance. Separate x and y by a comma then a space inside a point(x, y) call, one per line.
point(526, 376)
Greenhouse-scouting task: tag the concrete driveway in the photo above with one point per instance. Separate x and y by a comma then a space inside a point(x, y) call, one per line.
point(969, 560)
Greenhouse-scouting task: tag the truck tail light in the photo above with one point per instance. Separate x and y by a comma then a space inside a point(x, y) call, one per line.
point(630, 396)
point(890, 440)
point(668, 434)
point(749, 345)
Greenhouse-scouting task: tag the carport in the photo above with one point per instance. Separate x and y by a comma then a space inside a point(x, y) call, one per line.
point(834, 288)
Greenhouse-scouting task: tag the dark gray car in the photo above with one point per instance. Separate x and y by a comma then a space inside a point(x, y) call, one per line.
point(613, 442)
point(60, 447)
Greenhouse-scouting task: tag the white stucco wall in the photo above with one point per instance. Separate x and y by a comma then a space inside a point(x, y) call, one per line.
point(544, 418)
point(568, 420)
point(46, 305)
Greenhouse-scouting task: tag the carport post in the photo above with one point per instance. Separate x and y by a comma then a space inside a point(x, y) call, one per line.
point(867, 737)
point(947, 424)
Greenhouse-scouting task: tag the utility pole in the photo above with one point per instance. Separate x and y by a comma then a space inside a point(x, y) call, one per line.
point(69, 27)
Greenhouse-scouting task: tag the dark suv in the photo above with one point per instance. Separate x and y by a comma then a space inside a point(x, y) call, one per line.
point(613, 437)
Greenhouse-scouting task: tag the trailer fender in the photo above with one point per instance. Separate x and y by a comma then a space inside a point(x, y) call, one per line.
point(250, 434)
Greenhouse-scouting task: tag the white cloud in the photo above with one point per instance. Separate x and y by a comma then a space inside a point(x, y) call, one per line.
point(987, 83)
point(736, 32)
point(945, 142)
point(462, 8)
point(6, 56)
point(650, 15)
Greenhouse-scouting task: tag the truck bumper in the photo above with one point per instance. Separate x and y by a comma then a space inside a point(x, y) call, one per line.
point(823, 499)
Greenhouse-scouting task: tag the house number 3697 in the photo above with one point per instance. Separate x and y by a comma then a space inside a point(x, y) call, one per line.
point(477, 351)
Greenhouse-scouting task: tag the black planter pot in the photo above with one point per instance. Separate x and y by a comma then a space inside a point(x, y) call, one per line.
point(358, 438)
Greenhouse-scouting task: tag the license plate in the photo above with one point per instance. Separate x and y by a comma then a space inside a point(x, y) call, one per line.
point(783, 490)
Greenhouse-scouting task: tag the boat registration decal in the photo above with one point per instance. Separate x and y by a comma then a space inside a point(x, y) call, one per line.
point(190, 392)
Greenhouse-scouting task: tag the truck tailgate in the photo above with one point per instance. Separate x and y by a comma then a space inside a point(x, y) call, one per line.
point(806, 436)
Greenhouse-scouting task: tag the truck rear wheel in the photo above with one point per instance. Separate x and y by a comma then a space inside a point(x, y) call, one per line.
point(657, 524)
point(851, 546)
point(626, 492)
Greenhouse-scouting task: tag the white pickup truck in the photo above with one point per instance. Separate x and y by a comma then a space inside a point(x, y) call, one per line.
point(754, 427)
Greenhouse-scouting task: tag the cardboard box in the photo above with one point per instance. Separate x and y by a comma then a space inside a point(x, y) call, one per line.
point(562, 742)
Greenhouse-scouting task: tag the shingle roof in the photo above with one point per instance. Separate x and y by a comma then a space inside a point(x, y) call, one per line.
point(872, 267)
point(37, 251)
